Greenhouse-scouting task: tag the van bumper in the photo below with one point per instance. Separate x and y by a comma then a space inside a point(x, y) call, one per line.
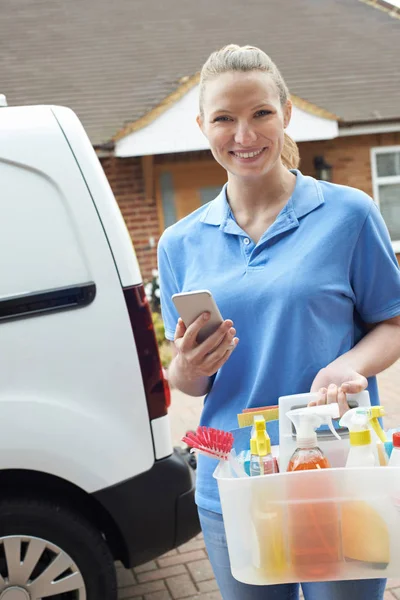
point(154, 511)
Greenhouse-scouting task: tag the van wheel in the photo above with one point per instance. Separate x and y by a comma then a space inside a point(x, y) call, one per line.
point(48, 551)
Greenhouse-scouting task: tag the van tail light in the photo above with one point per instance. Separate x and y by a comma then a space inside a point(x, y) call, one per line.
point(158, 395)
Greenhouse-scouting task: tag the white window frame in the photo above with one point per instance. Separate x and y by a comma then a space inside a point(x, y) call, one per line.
point(376, 181)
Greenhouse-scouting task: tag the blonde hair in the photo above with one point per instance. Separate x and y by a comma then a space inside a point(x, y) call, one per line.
point(249, 58)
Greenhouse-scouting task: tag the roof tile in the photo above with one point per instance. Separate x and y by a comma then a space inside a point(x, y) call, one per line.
point(112, 62)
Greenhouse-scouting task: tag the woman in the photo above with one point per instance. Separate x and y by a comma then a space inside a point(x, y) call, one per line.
point(304, 270)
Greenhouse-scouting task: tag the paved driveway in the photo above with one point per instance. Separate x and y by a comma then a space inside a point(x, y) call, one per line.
point(185, 573)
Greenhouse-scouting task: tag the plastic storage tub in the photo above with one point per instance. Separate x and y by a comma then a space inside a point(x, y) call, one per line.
point(323, 525)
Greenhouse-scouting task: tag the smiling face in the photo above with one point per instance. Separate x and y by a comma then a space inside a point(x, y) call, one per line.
point(244, 121)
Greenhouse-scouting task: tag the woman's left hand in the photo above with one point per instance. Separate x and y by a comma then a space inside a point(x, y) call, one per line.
point(333, 383)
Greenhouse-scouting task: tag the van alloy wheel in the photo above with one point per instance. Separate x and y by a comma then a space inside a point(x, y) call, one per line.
point(32, 568)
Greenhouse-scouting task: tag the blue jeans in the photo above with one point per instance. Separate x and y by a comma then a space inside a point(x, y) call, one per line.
point(214, 536)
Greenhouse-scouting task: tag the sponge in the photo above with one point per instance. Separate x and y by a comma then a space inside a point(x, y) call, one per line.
point(246, 418)
point(365, 536)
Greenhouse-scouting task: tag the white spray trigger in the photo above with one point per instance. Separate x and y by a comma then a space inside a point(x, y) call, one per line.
point(331, 427)
point(331, 411)
point(308, 419)
point(327, 412)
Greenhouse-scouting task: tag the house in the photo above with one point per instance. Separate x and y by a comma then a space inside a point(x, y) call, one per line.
point(130, 70)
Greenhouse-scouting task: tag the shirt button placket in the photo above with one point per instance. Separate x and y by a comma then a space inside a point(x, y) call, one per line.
point(247, 248)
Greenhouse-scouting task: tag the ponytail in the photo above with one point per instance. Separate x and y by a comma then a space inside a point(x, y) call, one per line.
point(290, 153)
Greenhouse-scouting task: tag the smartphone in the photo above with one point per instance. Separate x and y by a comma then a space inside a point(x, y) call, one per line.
point(191, 305)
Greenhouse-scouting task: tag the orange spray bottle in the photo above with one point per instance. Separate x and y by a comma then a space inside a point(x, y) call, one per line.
point(313, 520)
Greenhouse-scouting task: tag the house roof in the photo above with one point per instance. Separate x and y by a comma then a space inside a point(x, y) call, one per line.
point(114, 63)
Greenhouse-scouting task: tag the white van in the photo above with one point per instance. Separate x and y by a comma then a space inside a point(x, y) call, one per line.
point(88, 474)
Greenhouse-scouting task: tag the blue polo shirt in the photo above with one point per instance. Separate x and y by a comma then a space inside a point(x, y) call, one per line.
point(297, 298)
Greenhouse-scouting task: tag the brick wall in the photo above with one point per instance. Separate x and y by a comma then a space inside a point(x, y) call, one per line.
point(140, 213)
point(349, 156)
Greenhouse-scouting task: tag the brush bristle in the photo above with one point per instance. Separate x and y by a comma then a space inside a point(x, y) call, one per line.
point(211, 442)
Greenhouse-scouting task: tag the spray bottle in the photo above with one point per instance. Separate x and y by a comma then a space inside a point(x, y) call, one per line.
point(361, 451)
point(365, 534)
point(313, 518)
point(394, 460)
point(306, 421)
point(378, 435)
point(363, 441)
point(261, 462)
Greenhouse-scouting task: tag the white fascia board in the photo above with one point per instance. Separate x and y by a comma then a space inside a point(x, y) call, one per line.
point(176, 130)
point(373, 128)
point(305, 127)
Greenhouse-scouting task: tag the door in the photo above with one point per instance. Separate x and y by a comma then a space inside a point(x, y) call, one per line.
point(182, 188)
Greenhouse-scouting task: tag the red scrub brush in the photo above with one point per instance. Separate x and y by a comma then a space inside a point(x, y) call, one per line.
point(211, 442)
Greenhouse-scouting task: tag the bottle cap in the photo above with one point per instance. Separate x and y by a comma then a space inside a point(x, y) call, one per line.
point(306, 441)
point(260, 443)
point(360, 438)
point(260, 448)
point(396, 439)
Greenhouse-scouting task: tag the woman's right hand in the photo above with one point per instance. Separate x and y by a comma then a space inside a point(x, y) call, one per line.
point(195, 360)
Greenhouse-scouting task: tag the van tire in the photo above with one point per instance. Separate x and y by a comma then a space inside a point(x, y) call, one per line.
point(71, 533)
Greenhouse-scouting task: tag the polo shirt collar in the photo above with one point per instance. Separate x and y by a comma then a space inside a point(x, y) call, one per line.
point(218, 210)
point(306, 197)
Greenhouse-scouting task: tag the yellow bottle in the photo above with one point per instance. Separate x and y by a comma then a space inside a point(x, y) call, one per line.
point(261, 461)
point(267, 515)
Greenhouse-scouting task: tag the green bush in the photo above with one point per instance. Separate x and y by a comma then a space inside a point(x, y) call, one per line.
point(152, 289)
point(165, 353)
point(164, 346)
point(158, 327)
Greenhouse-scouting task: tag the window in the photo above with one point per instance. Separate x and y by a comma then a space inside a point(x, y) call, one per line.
point(386, 183)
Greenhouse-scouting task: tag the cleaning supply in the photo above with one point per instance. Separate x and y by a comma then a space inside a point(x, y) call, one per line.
point(389, 444)
point(210, 442)
point(374, 413)
point(361, 453)
point(246, 425)
point(335, 450)
point(245, 418)
point(306, 421)
point(388, 450)
point(365, 535)
point(215, 443)
point(261, 462)
point(269, 546)
point(368, 417)
point(267, 517)
point(394, 460)
point(313, 521)
point(244, 458)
